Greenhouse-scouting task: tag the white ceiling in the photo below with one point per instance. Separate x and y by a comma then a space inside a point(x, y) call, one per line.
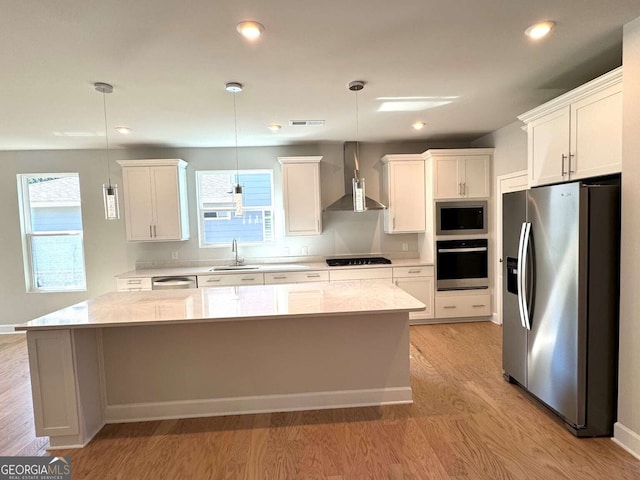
point(169, 61)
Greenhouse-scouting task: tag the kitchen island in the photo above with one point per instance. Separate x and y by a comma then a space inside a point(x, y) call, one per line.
point(133, 356)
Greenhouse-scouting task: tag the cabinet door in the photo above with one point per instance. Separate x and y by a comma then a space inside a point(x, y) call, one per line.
point(166, 203)
point(596, 134)
point(301, 192)
point(448, 174)
point(406, 197)
point(476, 177)
point(420, 288)
point(138, 203)
point(549, 148)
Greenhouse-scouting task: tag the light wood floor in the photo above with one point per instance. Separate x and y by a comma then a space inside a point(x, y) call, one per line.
point(466, 423)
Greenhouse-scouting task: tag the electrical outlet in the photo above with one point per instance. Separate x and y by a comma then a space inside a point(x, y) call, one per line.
point(405, 247)
point(175, 255)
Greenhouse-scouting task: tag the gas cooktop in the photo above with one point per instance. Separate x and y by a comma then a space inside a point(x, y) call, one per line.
point(345, 262)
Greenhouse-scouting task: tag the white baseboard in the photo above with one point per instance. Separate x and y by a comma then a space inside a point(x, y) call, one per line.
point(435, 321)
point(4, 329)
point(256, 404)
point(627, 439)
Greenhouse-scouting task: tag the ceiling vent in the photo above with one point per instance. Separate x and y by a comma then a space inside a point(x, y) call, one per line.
point(306, 123)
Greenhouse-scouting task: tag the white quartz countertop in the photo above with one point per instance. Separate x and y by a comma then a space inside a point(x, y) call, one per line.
point(229, 304)
point(263, 267)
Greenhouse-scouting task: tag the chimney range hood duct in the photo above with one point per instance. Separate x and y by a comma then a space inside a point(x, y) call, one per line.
point(351, 170)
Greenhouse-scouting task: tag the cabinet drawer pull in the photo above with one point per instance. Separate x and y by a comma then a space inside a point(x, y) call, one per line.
point(134, 282)
point(415, 271)
point(315, 275)
point(449, 306)
point(280, 277)
point(564, 157)
point(213, 280)
point(570, 169)
point(150, 232)
point(248, 279)
point(478, 306)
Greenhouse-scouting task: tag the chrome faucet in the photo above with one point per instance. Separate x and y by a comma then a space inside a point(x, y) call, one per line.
point(234, 250)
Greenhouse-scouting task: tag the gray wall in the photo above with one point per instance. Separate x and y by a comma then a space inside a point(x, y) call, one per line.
point(510, 143)
point(107, 252)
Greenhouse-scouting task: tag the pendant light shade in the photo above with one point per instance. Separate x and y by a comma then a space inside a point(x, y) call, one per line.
point(109, 191)
point(235, 88)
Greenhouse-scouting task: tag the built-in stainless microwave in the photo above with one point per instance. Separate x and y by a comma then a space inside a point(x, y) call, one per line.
point(461, 217)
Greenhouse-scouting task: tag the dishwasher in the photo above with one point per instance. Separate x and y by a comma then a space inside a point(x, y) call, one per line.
point(168, 283)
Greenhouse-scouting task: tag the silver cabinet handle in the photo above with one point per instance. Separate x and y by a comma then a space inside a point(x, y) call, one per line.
point(570, 170)
point(449, 306)
point(134, 282)
point(564, 157)
point(478, 306)
point(150, 232)
point(213, 280)
point(248, 279)
point(314, 275)
point(414, 271)
point(280, 277)
point(464, 188)
point(460, 188)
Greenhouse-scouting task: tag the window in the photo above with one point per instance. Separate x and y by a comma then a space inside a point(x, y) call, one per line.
point(218, 223)
point(52, 232)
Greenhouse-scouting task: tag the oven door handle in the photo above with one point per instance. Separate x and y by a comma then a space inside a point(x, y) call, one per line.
point(462, 250)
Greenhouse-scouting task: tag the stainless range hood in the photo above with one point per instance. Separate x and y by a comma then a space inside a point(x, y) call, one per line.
point(351, 171)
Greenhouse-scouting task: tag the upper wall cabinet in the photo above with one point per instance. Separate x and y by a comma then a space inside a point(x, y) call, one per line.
point(403, 191)
point(301, 195)
point(460, 173)
point(155, 200)
point(578, 134)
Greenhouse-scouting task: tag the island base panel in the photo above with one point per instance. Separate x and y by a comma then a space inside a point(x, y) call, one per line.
point(279, 364)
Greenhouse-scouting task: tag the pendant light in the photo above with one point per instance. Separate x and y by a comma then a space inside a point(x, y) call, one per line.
point(109, 191)
point(235, 88)
point(358, 182)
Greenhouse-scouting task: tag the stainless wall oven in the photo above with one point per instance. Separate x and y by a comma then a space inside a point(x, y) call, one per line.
point(462, 264)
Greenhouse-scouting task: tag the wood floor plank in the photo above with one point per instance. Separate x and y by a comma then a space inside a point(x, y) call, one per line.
point(466, 423)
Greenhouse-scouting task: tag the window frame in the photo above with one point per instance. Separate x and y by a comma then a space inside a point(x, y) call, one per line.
point(26, 226)
point(230, 208)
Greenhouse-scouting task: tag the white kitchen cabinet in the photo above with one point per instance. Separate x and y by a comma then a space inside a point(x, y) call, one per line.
point(463, 305)
point(133, 284)
point(460, 173)
point(273, 278)
point(577, 135)
point(155, 199)
point(417, 281)
point(230, 279)
point(403, 192)
point(301, 195)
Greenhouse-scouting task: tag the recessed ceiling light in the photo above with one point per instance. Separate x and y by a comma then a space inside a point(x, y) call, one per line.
point(274, 127)
point(419, 125)
point(539, 30)
point(123, 130)
point(250, 29)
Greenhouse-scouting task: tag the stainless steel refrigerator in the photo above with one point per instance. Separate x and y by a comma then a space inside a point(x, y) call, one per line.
point(560, 300)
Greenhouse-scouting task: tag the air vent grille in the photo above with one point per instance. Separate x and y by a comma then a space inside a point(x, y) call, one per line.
point(306, 123)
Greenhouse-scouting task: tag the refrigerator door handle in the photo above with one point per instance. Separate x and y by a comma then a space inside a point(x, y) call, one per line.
point(523, 275)
point(519, 275)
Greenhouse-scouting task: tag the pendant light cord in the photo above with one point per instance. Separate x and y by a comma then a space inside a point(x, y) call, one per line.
point(235, 126)
point(106, 135)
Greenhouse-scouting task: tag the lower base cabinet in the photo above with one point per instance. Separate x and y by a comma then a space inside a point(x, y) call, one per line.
point(458, 306)
point(419, 282)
